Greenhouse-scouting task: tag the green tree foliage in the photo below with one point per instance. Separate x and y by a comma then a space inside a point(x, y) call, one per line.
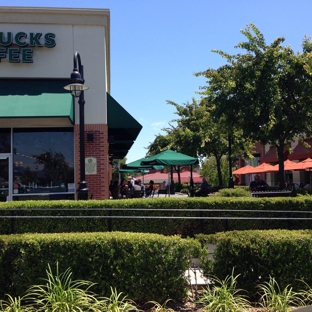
point(209, 170)
point(160, 143)
point(265, 92)
point(197, 133)
point(115, 167)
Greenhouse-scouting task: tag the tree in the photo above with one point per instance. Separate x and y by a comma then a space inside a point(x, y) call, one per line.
point(205, 136)
point(195, 131)
point(160, 143)
point(266, 92)
point(209, 170)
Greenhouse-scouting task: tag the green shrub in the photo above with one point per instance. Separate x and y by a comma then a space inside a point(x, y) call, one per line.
point(177, 187)
point(233, 192)
point(185, 188)
point(257, 255)
point(64, 216)
point(303, 191)
point(130, 262)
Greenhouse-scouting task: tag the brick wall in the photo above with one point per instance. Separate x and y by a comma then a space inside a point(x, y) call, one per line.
point(97, 183)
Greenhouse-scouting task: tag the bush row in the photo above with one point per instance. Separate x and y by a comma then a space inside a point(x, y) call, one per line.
point(62, 216)
point(152, 266)
point(258, 255)
point(143, 266)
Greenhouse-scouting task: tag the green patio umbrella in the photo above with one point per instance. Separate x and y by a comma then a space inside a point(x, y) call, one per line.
point(136, 165)
point(134, 170)
point(172, 158)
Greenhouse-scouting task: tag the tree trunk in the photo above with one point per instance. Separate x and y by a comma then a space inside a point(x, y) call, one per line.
point(179, 174)
point(218, 161)
point(280, 156)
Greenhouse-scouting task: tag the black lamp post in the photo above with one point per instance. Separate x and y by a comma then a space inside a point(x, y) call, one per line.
point(231, 182)
point(77, 88)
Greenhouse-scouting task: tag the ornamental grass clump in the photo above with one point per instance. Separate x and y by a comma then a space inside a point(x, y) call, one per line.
point(14, 304)
point(116, 303)
point(273, 299)
point(222, 296)
point(61, 293)
point(157, 307)
point(306, 294)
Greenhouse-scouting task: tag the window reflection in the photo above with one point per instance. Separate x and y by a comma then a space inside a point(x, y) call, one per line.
point(43, 160)
point(5, 141)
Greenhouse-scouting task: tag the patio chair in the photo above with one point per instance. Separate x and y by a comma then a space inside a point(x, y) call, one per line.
point(137, 194)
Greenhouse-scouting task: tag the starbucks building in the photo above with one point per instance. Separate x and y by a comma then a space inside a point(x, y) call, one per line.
point(42, 125)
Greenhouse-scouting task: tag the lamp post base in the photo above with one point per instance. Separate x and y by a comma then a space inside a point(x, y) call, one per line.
point(83, 191)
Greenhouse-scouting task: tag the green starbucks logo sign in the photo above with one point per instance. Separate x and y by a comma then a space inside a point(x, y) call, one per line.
point(18, 48)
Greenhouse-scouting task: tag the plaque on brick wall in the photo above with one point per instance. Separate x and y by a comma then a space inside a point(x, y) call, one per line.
point(91, 165)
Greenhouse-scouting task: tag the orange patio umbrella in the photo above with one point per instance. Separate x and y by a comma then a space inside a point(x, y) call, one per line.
point(305, 164)
point(245, 170)
point(288, 166)
point(306, 160)
point(264, 167)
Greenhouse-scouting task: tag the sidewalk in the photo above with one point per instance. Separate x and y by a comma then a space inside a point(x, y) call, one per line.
point(195, 277)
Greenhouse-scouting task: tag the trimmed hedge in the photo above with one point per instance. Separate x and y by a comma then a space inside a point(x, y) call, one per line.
point(184, 227)
point(257, 255)
point(143, 266)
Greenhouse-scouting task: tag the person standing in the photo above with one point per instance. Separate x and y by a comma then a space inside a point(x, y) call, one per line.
point(132, 180)
point(142, 188)
point(150, 189)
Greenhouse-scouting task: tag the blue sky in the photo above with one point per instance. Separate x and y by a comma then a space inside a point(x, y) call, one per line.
point(158, 45)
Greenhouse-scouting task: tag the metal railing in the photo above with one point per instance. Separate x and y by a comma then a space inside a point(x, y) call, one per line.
point(202, 214)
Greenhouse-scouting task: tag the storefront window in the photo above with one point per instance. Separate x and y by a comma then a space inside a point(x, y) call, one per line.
point(5, 141)
point(43, 161)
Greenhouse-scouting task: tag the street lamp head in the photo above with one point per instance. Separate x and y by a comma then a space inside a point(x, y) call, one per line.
point(76, 85)
point(75, 77)
point(76, 88)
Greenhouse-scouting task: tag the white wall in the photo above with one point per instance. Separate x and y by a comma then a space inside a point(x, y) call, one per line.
point(85, 31)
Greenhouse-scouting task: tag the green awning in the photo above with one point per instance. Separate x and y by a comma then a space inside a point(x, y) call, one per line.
point(120, 123)
point(123, 129)
point(41, 101)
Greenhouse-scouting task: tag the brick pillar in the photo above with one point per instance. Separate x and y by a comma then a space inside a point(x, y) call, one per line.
point(97, 183)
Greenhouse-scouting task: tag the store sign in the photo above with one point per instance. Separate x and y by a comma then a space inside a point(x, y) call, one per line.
point(18, 47)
